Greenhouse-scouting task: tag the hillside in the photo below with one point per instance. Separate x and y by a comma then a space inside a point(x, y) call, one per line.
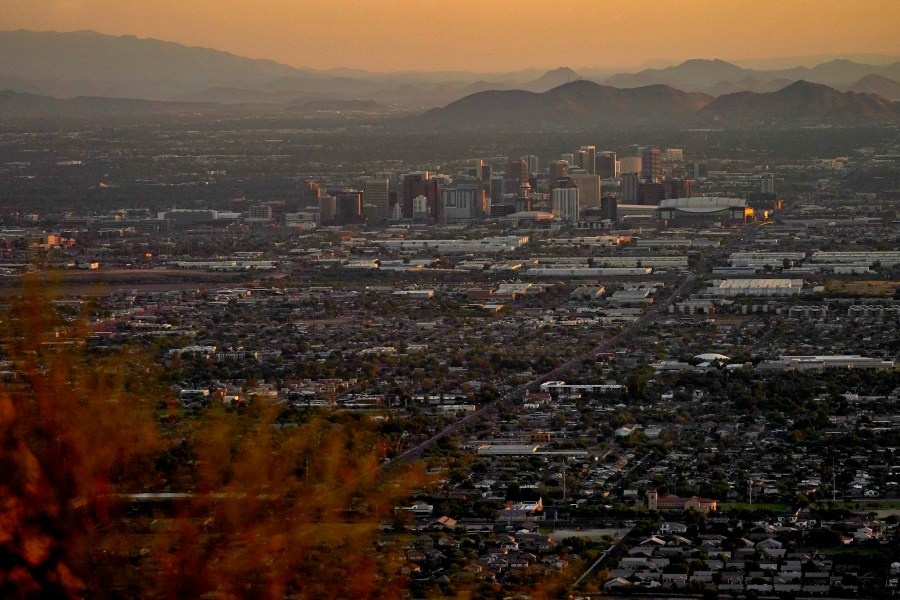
point(799, 102)
point(716, 77)
point(88, 63)
point(876, 84)
point(579, 103)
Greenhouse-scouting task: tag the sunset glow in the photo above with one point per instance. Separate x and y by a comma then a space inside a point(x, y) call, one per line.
point(483, 35)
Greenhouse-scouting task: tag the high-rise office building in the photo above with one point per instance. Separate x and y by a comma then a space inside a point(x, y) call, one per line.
point(588, 159)
point(532, 163)
point(581, 160)
point(327, 209)
point(678, 188)
point(485, 174)
point(413, 185)
point(311, 193)
point(349, 205)
point(422, 184)
point(557, 169)
point(515, 175)
point(630, 164)
point(389, 175)
point(496, 190)
point(420, 209)
point(609, 208)
point(767, 183)
point(607, 165)
point(651, 193)
point(673, 154)
point(588, 189)
point(465, 200)
point(564, 203)
point(629, 188)
point(651, 164)
point(378, 195)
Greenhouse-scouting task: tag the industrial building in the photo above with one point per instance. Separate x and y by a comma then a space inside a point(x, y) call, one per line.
point(489, 244)
point(820, 363)
point(890, 258)
point(755, 287)
point(587, 272)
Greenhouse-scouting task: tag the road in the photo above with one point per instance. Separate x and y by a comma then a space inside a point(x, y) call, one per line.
point(514, 395)
point(611, 553)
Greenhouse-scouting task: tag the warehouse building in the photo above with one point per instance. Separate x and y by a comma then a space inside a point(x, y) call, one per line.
point(730, 288)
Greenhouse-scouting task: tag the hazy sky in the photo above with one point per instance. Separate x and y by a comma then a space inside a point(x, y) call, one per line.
point(483, 35)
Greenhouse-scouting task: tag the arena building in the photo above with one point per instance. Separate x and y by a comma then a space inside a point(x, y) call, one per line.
point(704, 210)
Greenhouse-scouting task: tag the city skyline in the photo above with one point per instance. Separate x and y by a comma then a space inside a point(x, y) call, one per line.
point(398, 35)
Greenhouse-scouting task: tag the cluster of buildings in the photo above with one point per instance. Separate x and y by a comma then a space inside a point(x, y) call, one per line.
point(585, 187)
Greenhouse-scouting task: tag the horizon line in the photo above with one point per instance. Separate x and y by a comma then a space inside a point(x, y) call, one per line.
point(653, 63)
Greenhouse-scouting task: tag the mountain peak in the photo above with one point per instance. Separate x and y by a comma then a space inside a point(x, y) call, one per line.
point(877, 84)
point(801, 85)
point(552, 79)
point(708, 61)
point(562, 71)
point(801, 101)
point(579, 103)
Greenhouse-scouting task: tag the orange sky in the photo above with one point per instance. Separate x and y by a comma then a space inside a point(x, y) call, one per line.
point(483, 35)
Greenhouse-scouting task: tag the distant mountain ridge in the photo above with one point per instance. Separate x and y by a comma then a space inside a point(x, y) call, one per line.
point(552, 79)
point(876, 84)
point(718, 76)
point(578, 103)
point(87, 64)
point(94, 70)
point(587, 104)
point(798, 102)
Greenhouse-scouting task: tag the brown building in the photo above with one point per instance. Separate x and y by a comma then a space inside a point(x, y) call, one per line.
point(678, 188)
point(422, 184)
point(651, 194)
point(311, 193)
point(674, 503)
point(349, 205)
point(651, 164)
point(606, 165)
point(515, 176)
point(557, 169)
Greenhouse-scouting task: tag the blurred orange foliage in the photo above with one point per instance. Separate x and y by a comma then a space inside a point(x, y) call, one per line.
point(266, 510)
point(70, 430)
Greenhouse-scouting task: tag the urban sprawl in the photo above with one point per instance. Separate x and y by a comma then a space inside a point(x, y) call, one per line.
point(650, 370)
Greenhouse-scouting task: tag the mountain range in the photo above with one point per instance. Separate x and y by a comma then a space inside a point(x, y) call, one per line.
point(587, 104)
point(86, 63)
point(87, 73)
point(716, 77)
point(579, 103)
